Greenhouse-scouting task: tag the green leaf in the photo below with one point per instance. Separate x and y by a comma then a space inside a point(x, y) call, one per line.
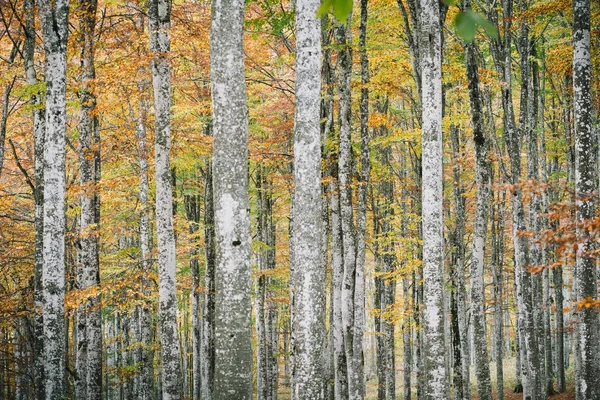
point(466, 23)
point(324, 8)
point(341, 9)
point(465, 26)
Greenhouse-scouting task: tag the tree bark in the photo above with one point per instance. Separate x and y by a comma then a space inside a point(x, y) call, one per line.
point(361, 215)
point(207, 347)
point(192, 208)
point(39, 130)
point(342, 35)
point(308, 323)
point(434, 354)
point(585, 177)
point(89, 336)
point(337, 264)
point(54, 21)
point(145, 310)
point(482, 180)
point(159, 13)
point(233, 369)
point(458, 301)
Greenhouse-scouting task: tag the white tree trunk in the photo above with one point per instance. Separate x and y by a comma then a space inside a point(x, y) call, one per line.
point(159, 12)
point(54, 21)
point(308, 281)
point(233, 369)
point(434, 353)
point(585, 175)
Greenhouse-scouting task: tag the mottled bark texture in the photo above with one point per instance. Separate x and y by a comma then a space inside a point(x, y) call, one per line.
point(482, 180)
point(39, 129)
point(361, 215)
point(145, 353)
point(434, 353)
point(159, 13)
point(233, 369)
point(88, 382)
point(308, 284)
point(459, 338)
point(337, 266)
point(193, 212)
point(349, 286)
point(585, 176)
point(207, 346)
point(265, 309)
point(54, 19)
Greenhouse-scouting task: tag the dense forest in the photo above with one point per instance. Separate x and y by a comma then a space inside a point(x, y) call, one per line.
point(299, 199)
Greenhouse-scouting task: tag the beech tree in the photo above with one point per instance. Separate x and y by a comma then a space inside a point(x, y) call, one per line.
point(54, 20)
point(88, 382)
point(233, 349)
point(434, 357)
point(586, 175)
point(308, 290)
point(159, 12)
point(256, 196)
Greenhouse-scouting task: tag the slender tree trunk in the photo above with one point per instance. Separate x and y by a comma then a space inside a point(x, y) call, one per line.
point(342, 34)
point(379, 302)
point(263, 332)
point(406, 340)
point(497, 248)
point(585, 177)
point(54, 20)
point(361, 217)
point(207, 346)
point(560, 329)
point(482, 180)
point(144, 311)
point(4, 118)
point(89, 340)
point(337, 264)
point(233, 369)
point(39, 129)
point(308, 323)
point(192, 207)
point(434, 357)
point(547, 255)
point(159, 12)
point(457, 301)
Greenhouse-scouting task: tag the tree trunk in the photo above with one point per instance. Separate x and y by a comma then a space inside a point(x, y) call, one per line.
point(159, 13)
point(308, 323)
point(482, 180)
point(337, 264)
point(361, 216)
point(207, 346)
point(39, 130)
point(54, 21)
point(192, 207)
point(89, 337)
point(434, 354)
point(264, 308)
point(233, 369)
point(145, 310)
point(342, 35)
point(586, 375)
point(457, 301)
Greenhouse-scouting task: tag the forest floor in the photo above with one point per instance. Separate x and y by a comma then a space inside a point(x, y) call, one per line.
point(509, 384)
